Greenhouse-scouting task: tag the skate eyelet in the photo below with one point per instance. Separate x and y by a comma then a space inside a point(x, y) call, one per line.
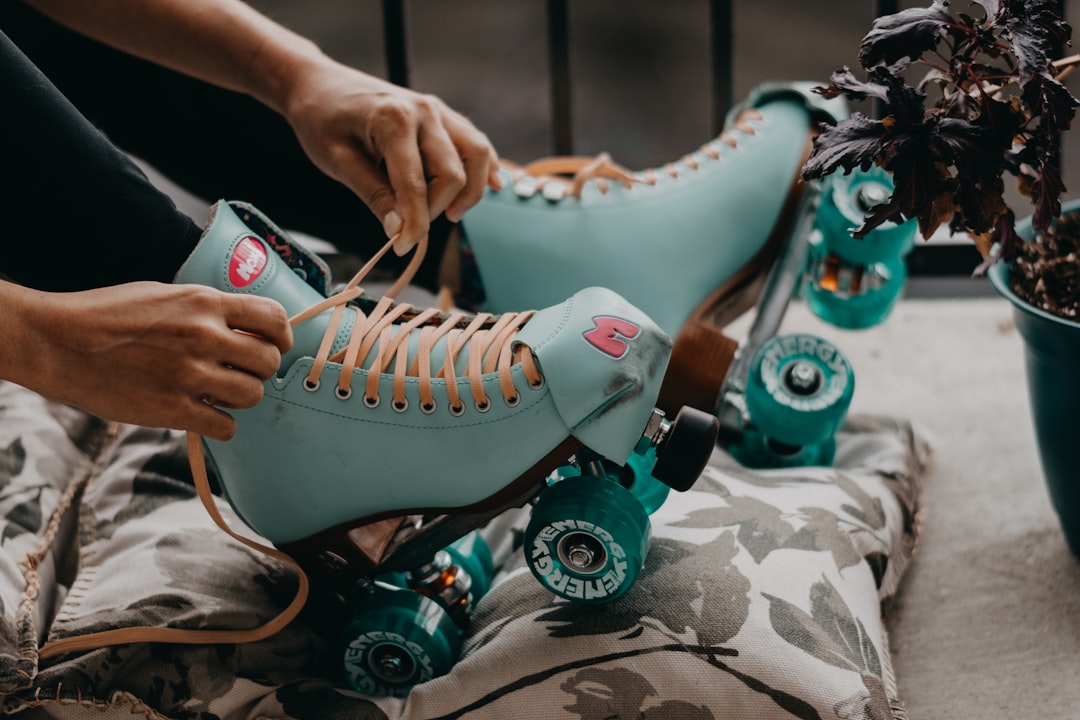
point(457, 410)
point(483, 406)
point(537, 385)
point(342, 394)
point(427, 408)
point(512, 401)
point(311, 385)
point(400, 405)
point(371, 402)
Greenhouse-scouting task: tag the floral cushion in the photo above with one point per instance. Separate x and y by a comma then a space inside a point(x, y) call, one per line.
point(761, 595)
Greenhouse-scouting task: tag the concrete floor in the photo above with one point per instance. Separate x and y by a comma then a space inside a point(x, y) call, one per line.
point(987, 620)
point(987, 624)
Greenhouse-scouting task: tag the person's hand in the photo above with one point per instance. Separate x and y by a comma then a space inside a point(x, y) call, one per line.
point(407, 155)
point(154, 354)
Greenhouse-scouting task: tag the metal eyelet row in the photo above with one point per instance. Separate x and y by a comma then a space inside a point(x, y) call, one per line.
point(526, 186)
point(426, 408)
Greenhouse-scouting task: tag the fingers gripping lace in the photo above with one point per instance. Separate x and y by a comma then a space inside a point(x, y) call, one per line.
point(378, 339)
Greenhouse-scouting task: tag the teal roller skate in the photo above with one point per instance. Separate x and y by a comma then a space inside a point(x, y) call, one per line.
point(390, 431)
point(690, 243)
point(699, 242)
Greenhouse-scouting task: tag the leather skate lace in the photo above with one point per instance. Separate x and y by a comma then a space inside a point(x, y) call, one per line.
point(492, 348)
point(491, 341)
point(601, 169)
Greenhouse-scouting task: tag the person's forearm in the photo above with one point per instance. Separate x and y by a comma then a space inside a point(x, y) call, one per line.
point(224, 42)
point(19, 340)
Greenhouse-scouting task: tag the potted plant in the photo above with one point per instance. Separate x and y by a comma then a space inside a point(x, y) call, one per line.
point(986, 101)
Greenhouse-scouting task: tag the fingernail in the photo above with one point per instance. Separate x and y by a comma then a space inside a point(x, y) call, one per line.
point(392, 224)
point(453, 213)
point(402, 246)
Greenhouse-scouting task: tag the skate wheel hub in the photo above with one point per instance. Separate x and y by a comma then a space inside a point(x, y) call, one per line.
point(587, 539)
point(872, 194)
point(391, 663)
point(583, 552)
point(802, 378)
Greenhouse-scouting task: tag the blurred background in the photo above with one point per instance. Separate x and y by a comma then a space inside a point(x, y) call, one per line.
point(641, 78)
point(640, 68)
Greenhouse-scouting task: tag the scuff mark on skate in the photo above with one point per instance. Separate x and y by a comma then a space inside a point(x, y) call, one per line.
point(647, 360)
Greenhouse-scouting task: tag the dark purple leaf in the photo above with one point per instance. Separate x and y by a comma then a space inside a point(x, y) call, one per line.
point(1051, 102)
point(1031, 26)
point(948, 157)
point(1046, 193)
point(905, 35)
point(856, 142)
point(845, 83)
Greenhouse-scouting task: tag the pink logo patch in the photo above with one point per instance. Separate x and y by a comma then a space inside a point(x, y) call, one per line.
point(247, 262)
point(610, 335)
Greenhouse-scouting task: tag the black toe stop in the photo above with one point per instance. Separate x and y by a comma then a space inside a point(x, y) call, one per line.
point(683, 454)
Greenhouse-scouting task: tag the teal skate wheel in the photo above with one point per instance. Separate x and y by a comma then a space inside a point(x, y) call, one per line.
point(587, 539)
point(860, 310)
point(399, 639)
point(846, 201)
point(799, 390)
point(472, 554)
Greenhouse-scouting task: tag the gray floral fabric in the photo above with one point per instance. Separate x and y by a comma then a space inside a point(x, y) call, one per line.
point(760, 598)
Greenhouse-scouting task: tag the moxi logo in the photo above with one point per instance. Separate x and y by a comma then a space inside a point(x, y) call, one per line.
point(610, 334)
point(247, 262)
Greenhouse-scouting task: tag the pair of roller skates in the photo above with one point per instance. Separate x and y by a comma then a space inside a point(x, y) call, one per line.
point(555, 407)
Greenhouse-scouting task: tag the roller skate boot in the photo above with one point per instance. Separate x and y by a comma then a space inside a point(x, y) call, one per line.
point(390, 432)
point(700, 242)
point(689, 243)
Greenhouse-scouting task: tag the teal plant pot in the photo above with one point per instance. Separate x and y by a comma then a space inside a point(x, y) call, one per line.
point(1052, 362)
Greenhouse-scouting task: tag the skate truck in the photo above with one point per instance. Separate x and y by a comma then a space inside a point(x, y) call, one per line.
point(696, 244)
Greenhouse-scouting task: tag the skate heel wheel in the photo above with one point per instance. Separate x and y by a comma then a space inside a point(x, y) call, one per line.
point(854, 282)
point(797, 395)
point(683, 446)
point(409, 626)
point(397, 640)
point(587, 539)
